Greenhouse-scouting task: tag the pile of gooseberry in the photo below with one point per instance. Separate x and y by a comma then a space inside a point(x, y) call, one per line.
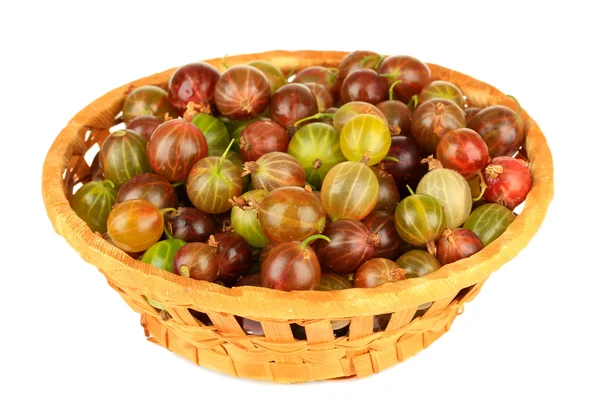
point(359, 175)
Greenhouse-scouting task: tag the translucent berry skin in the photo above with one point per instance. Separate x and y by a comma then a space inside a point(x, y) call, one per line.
point(418, 263)
point(365, 134)
point(420, 219)
point(350, 110)
point(413, 74)
point(93, 202)
point(290, 266)
point(351, 245)
point(470, 112)
point(274, 75)
point(194, 82)
point(408, 170)
point(144, 125)
point(123, 156)
point(489, 221)
point(291, 214)
point(323, 97)
point(382, 223)
point(388, 195)
point(363, 85)
point(441, 89)
point(262, 137)
point(377, 272)
point(245, 220)
point(398, 115)
point(317, 147)
point(242, 92)
point(350, 191)
point(135, 225)
point(162, 254)
point(508, 182)
point(333, 281)
point(457, 244)
point(275, 170)
point(434, 118)
point(147, 100)
point(501, 129)
point(463, 151)
point(190, 224)
point(452, 191)
point(234, 255)
point(174, 148)
point(357, 60)
point(291, 103)
point(324, 76)
point(200, 262)
point(151, 187)
point(211, 186)
point(214, 131)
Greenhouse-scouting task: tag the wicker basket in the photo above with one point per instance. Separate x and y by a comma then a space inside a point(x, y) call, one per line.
point(222, 345)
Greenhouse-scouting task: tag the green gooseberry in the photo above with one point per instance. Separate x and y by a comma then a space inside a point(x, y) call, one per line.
point(162, 253)
point(489, 221)
point(244, 217)
point(93, 202)
point(123, 155)
point(273, 73)
point(215, 132)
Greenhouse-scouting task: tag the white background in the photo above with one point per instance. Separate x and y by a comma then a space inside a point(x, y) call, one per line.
point(529, 340)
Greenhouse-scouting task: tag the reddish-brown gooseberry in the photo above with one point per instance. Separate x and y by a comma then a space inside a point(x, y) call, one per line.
point(357, 60)
point(234, 255)
point(194, 82)
point(272, 72)
point(377, 272)
point(457, 244)
point(470, 112)
point(144, 125)
point(190, 224)
point(274, 170)
point(323, 97)
point(151, 187)
point(291, 103)
point(196, 260)
point(388, 195)
point(390, 244)
point(135, 225)
point(321, 75)
point(363, 85)
point(433, 119)
point(242, 92)
point(464, 151)
point(262, 137)
point(508, 181)
point(398, 115)
point(407, 74)
point(501, 129)
point(147, 100)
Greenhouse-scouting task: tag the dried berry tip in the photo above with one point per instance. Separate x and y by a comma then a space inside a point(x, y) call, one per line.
point(317, 163)
point(448, 235)
point(432, 162)
point(373, 239)
point(190, 112)
point(395, 130)
point(366, 158)
point(250, 167)
point(212, 242)
point(493, 171)
point(431, 248)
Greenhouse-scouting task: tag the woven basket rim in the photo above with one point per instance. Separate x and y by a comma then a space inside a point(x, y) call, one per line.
point(165, 286)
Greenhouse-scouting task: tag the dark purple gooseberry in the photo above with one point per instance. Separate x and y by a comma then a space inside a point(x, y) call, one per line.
point(408, 170)
point(234, 255)
point(223, 221)
point(390, 244)
point(144, 125)
point(242, 92)
point(363, 85)
point(501, 129)
point(398, 115)
point(434, 118)
point(291, 103)
point(351, 245)
point(407, 74)
point(327, 77)
point(194, 82)
point(190, 224)
point(151, 187)
point(388, 195)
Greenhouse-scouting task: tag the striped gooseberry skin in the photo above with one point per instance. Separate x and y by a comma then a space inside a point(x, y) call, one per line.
point(377, 272)
point(457, 244)
point(275, 170)
point(323, 97)
point(470, 112)
point(351, 245)
point(151, 187)
point(317, 147)
point(174, 148)
point(147, 100)
point(413, 74)
point(363, 85)
point(93, 202)
point(274, 75)
point(291, 266)
point(508, 181)
point(418, 263)
point(357, 60)
point(196, 260)
point(242, 92)
point(244, 217)
point(262, 137)
point(441, 89)
point(398, 115)
point(365, 134)
point(123, 155)
point(434, 118)
point(489, 221)
point(194, 82)
point(291, 214)
point(135, 225)
point(291, 103)
point(420, 220)
point(162, 253)
point(214, 131)
point(452, 191)
point(388, 196)
point(190, 224)
point(382, 223)
point(324, 76)
point(210, 185)
point(333, 281)
point(464, 151)
point(234, 255)
point(350, 110)
point(144, 125)
point(501, 129)
point(349, 191)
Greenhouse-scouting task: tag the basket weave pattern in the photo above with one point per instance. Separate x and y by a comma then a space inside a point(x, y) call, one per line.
point(277, 356)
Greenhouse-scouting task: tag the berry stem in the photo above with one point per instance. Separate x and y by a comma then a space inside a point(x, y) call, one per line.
point(109, 183)
point(291, 73)
point(410, 190)
point(184, 271)
point(482, 186)
point(391, 159)
point(178, 184)
point(165, 230)
point(318, 116)
point(223, 158)
point(414, 100)
point(308, 240)
point(224, 63)
point(391, 89)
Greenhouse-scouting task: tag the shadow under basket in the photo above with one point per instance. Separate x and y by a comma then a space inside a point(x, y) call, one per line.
point(300, 335)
